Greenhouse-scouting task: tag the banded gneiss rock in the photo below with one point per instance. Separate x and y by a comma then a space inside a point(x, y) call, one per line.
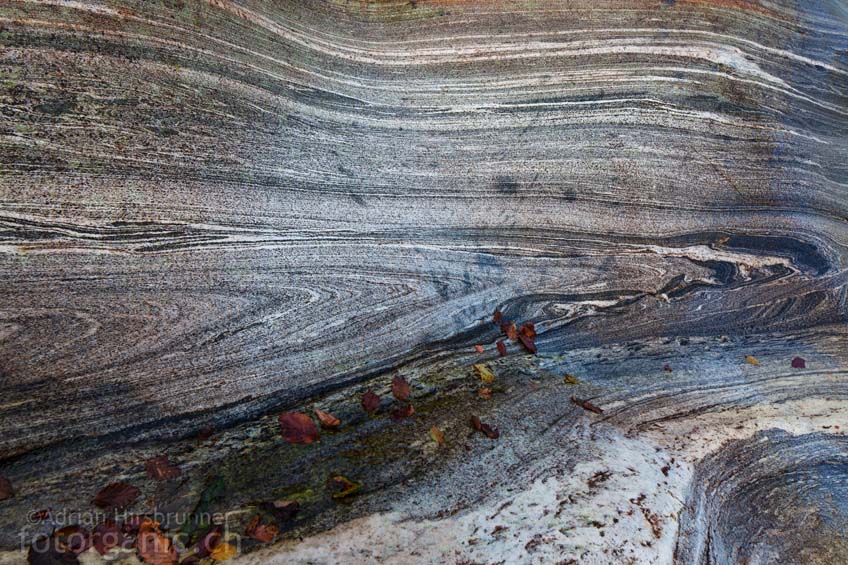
point(215, 211)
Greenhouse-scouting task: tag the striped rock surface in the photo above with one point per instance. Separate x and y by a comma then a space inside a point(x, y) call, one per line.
point(213, 210)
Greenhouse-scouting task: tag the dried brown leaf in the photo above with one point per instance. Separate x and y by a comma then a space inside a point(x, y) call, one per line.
point(297, 428)
point(106, 536)
point(153, 546)
point(528, 329)
point(327, 420)
point(261, 532)
point(400, 388)
point(488, 431)
point(370, 402)
point(160, 469)
point(116, 496)
point(586, 405)
point(485, 393)
point(528, 344)
point(403, 411)
point(497, 316)
point(501, 345)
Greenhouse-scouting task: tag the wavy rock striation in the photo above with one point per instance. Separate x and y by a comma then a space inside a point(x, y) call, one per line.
point(213, 210)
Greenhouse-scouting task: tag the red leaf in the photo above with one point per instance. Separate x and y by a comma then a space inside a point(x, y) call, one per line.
point(528, 329)
point(327, 420)
point(6, 490)
point(799, 363)
point(501, 348)
point(160, 469)
point(496, 318)
point(370, 402)
point(489, 431)
point(297, 428)
point(400, 388)
point(586, 405)
point(528, 344)
point(106, 536)
point(403, 411)
point(479, 348)
point(117, 496)
point(75, 539)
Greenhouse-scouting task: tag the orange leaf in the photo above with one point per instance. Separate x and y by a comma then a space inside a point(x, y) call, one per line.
point(327, 420)
point(153, 547)
point(437, 436)
point(261, 532)
point(479, 348)
point(223, 551)
point(485, 393)
point(512, 331)
point(297, 428)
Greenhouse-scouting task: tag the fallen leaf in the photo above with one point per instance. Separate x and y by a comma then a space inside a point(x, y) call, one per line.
point(751, 360)
point(6, 490)
point(341, 486)
point(400, 388)
point(133, 523)
point(528, 344)
point(484, 373)
point(496, 317)
point(512, 331)
point(44, 551)
point(479, 348)
point(209, 541)
point(370, 402)
point(153, 547)
point(586, 405)
point(505, 325)
point(501, 348)
point(282, 510)
point(327, 420)
point(160, 469)
point(223, 551)
point(75, 539)
point(261, 532)
point(403, 411)
point(485, 393)
point(437, 436)
point(571, 379)
point(297, 428)
point(528, 329)
point(667, 368)
point(117, 496)
point(489, 431)
point(799, 363)
point(106, 536)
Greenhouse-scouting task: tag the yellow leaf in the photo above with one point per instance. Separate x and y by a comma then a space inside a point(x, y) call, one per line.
point(484, 373)
point(223, 551)
point(437, 435)
point(571, 379)
point(752, 360)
